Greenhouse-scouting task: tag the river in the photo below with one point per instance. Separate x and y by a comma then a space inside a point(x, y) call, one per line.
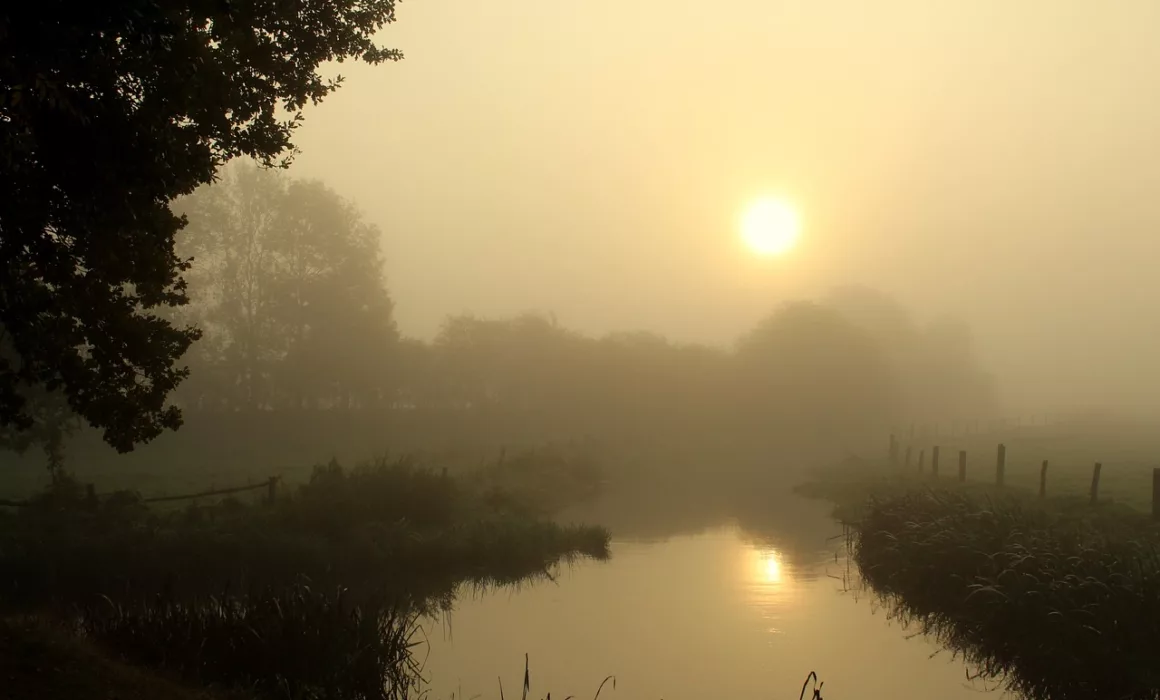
point(741, 608)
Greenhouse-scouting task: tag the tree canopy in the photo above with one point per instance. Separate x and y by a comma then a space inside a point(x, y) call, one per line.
point(808, 363)
point(109, 111)
point(290, 293)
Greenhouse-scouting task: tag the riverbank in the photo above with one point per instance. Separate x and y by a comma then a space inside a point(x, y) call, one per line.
point(317, 592)
point(1054, 598)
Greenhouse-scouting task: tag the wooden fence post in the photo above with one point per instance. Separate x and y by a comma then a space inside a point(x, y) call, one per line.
point(962, 466)
point(921, 461)
point(934, 461)
point(1156, 493)
point(1043, 480)
point(1000, 464)
point(1096, 482)
point(271, 489)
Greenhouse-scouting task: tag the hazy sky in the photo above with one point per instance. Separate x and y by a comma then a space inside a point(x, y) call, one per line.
point(995, 160)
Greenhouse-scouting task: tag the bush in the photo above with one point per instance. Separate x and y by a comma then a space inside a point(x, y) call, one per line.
point(335, 501)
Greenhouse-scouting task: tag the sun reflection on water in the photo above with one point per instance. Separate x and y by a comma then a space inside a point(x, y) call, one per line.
point(771, 566)
point(765, 567)
point(768, 582)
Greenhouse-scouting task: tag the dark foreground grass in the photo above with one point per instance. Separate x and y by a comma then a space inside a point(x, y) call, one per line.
point(295, 643)
point(394, 538)
point(812, 684)
point(1054, 601)
point(41, 661)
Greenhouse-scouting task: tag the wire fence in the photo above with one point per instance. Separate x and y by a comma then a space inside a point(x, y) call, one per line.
point(908, 461)
point(270, 485)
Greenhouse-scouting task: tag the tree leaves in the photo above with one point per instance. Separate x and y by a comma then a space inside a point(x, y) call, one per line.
point(108, 111)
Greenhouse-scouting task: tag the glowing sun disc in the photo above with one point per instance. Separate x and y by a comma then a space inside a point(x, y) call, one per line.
point(770, 227)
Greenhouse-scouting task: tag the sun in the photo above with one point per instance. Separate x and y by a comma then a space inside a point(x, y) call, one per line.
point(770, 226)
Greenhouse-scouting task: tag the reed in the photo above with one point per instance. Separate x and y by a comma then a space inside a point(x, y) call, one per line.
point(296, 642)
point(1054, 602)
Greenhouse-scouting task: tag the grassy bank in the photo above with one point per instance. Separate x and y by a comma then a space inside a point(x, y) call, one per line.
point(1058, 606)
point(1055, 599)
point(394, 526)
point(314, 595)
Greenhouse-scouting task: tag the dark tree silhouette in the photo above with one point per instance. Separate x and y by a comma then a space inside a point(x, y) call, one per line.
point(108, 111)
point(807, 363)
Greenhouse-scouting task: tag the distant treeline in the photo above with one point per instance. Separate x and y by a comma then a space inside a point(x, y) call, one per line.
point(287, 284)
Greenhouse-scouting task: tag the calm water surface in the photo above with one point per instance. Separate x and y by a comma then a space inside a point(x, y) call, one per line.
point(730, 611)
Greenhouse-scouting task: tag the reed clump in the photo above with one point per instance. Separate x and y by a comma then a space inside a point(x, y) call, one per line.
point(294, 642)
point(1056, 602)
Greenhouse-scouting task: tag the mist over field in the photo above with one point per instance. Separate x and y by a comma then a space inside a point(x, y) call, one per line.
point(981, 161)
point(363, 350)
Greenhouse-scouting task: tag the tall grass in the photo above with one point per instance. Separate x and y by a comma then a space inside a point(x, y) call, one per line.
point(526, 688)
point(387, 526)
point(336, 500)
point(1054, 604)
point(388, 531)
point(296, 642)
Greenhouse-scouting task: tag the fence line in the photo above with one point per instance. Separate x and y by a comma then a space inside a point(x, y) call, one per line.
point(270, 484)
point(1001, 470)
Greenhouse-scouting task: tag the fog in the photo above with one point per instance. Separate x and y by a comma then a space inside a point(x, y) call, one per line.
point(988, 161)
point(695, 348)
